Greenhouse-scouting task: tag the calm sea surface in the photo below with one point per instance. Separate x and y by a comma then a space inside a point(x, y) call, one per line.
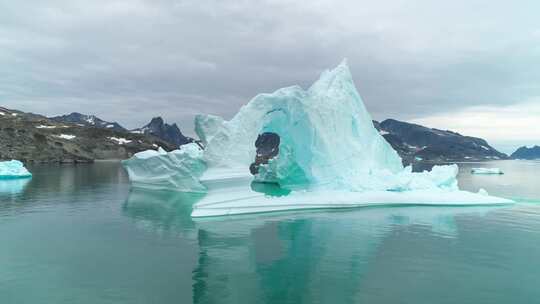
point(77, 234)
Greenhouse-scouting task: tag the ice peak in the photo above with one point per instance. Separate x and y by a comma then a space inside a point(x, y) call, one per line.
point(339, 78)
point(344, 63)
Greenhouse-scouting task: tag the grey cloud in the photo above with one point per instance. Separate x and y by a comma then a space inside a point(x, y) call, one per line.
point(130, 60)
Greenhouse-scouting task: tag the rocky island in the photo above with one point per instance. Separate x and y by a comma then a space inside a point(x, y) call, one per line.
point(526, 153)
point(35, 138)
point(418, 143)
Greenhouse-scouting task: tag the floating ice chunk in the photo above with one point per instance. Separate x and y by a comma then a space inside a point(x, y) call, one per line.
point(318, 147)
point(482, 191)
point(45, 127)
point(486, 171)
point(13, 169)
point(179, 169)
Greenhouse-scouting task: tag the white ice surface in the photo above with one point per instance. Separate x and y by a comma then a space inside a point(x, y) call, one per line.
point(66, 136)
point(120, 140)
point(486, 171)
point(230, 193)
point(179, 169)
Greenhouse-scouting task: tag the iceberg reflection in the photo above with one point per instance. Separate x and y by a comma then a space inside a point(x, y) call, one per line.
point(161, 211)
point(268, 257)
point(13, 186)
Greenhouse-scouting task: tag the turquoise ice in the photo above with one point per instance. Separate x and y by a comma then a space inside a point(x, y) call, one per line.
point(13, 169)
point(330, 156)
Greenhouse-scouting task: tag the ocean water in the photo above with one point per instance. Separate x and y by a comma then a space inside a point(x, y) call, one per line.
point(77, 234)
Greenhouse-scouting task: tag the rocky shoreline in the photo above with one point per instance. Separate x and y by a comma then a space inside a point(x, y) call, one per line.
point(34, 138)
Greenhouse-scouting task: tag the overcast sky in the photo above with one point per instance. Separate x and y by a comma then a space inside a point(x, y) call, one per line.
point(467, 65)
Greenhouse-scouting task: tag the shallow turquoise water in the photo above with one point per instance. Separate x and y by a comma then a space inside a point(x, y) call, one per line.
point(76, 234)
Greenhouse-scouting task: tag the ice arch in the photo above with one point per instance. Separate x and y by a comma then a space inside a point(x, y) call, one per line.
point(327, 136)
point(330, 156)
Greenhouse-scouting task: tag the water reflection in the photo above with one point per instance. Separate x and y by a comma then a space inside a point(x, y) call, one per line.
point(13, 186)
point(161, 211)
point(519, 181)
point(305, 257)
point(76, 233)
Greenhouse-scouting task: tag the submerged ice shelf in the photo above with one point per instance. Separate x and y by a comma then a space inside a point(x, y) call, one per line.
point(297, 149)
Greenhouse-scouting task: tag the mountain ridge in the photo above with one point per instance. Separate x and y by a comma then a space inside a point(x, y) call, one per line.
point(526, 153)
point(413, 142)
point(156, 127)
point(88, 120)
point(35, 138)
point(169, 133)
point(416, 142)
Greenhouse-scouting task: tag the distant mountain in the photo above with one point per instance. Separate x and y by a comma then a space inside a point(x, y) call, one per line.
point(526, 153)
point(416, 142)
point(88, 121)
point(168, 133)
point(81, 138)
point(35, 138)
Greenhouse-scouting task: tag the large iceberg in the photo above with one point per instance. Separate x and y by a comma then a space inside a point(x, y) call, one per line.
point(297, 149)
point(13, 169)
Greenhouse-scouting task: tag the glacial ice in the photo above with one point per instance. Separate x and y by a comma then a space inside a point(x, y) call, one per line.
point(178, 170)
point(13, 169)
point(486, 171)
point(329, 156)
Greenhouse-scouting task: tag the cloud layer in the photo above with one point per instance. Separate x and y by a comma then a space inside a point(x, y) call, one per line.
point(128, 60)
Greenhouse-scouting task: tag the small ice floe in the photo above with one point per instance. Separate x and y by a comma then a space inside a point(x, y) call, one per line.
point(483, 191)
point(120, 140)
point(486, 171)
point(13, 169)
point(66, 136)
point(2, 113)
point(45, 127)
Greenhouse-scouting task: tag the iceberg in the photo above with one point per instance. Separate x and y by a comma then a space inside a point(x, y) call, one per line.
point(486, 171)
point(179, 170)
point(297, 149)
point(13, 169)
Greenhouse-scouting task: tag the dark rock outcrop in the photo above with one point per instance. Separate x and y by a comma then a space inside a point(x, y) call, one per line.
point(416, 142)
point(88, 121)
point(267, 145)
point(526, 153)
point(168, 133)
point(35, 138)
